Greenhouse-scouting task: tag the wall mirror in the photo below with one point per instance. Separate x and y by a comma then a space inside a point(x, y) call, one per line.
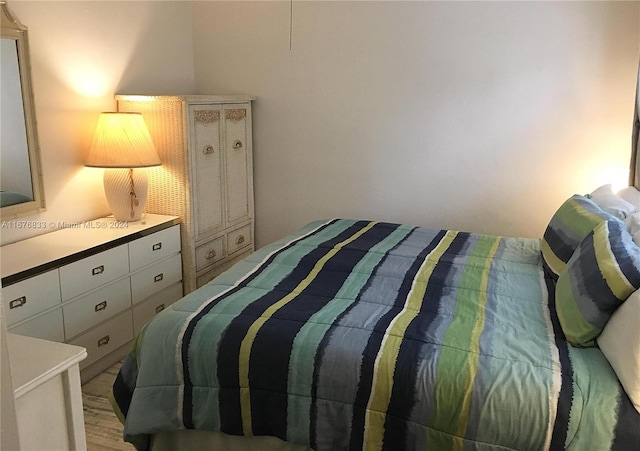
point(21, 187)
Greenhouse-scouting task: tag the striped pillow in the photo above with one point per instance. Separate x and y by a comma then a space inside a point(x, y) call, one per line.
point(575, 218)
point(602, 273)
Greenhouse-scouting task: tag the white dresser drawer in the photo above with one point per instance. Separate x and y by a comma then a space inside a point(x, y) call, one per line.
point(105, 338)
point(91, 272)
point(147, 309)
point(239, 238)
point(48, 327)
point(30, 297)
point(154, 247)
point(209, 253)
point(150, 280)
point(96, 307)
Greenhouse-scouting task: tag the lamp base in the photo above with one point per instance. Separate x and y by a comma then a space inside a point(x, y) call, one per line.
point(126, 192)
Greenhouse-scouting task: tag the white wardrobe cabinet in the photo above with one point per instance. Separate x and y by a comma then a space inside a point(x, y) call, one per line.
point(206, 177)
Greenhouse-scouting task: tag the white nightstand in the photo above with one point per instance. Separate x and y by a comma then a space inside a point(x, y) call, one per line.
point(48, 397)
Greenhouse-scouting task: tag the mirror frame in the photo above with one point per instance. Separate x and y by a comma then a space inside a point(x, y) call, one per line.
point(11, 28)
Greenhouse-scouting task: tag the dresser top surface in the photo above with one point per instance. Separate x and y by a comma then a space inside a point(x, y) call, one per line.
point(192, 98)
point(75, 240)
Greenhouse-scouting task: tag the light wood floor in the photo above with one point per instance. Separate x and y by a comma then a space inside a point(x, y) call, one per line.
point(103, 429)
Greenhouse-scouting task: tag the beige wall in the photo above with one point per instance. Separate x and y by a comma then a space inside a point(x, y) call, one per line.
point(479, 116)
point(82, 53)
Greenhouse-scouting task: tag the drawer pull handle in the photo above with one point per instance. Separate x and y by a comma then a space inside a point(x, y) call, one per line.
point(159, 277)
point(22, 300)
point(159, 308)
point(237, 144)
point(100, 306)
point(156, 247)
point(207, 150)
point(104, 341)
point(97, 270)
point(240, 239)
point(211, 254)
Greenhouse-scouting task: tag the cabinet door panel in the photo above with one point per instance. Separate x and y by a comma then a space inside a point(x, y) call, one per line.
point(238, 163)
point(206, 175)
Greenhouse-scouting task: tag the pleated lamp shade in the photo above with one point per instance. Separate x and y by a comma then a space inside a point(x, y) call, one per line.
point(122, 143)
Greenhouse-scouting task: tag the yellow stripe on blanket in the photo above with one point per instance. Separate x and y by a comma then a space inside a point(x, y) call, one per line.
point(386, 359)
point(247, 342)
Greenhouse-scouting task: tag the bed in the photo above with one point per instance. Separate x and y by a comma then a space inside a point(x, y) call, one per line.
point(353, 334)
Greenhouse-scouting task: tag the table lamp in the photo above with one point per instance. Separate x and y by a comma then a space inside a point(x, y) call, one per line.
point(123, 146)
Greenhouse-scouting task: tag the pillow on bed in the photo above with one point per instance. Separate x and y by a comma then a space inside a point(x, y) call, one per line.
point(620, 343)
point(611, 203)
point(602, 273)
point(575, 218)
point(631, 195)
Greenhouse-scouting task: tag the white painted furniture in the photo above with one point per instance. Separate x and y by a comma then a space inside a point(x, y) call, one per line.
point(47, 393)
point(93, 284)
point(206, 177)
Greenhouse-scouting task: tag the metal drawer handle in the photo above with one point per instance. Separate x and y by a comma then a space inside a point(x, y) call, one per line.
point(97, 270)
point(240, 239)
point(22, 300)
point(159, 277)
point(211, 254)
point(237, 144)
point(100, 306)
point(207, 150)
point(104, 341)
point(156, 247)
point(159, 308)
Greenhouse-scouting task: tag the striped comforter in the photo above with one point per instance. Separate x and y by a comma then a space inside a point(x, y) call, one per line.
point(364, 335)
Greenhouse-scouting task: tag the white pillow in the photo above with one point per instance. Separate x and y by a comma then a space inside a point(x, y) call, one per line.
point(611, 203)
point(633, 226)
point(631, 195)
point(620, 343)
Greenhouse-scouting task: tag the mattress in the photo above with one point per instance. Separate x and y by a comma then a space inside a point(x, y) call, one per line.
point(354, 334)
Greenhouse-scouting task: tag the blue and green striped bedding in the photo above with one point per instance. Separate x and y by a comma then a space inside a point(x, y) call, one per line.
point(365, 335)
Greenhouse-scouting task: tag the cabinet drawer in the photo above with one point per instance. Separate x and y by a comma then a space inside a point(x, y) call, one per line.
point(150, 280)
point(48, 327)
point(96, 307)
point(208, 276)
point(30, 297)
point(239, 238)
point(154, 247)
point(209, 253)
point(105, 338)
point(147, 309)
point(91, 272)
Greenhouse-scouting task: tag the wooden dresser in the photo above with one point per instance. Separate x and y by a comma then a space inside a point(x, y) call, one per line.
point(206, 177)
point(92, 284)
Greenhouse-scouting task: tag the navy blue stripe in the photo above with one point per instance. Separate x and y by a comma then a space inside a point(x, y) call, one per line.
point(236, 331)
point(271, 352)
point(372, 349)
point(327, 337)
point(627, 431)
point(187, 405)
point(565, 398)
